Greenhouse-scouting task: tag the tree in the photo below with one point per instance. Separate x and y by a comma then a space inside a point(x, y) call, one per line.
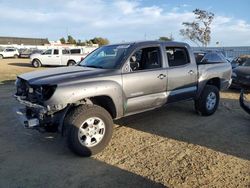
point(166, 38)
point(71, 40)
point(62, 40)
point(199, 30)
point(99, 40)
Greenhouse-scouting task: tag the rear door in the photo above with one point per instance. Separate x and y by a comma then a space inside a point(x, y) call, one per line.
point(144, 80)
point(182, 74)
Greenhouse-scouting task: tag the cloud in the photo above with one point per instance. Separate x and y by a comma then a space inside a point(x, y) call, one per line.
point(230, 31)
point(117, 20)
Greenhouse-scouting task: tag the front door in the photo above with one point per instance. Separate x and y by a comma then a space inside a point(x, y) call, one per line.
point(45, 57)
point(144, 80)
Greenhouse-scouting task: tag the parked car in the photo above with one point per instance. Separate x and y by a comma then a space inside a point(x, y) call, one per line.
point(25, 53)
point(61, 57)
point(242, 79)
point(116, 81)
point(9, 52)
point(237, 74)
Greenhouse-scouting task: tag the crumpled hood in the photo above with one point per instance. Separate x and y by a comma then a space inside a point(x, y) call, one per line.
point(53, 76)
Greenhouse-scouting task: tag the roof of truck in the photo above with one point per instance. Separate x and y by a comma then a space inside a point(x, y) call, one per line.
point(170, 43)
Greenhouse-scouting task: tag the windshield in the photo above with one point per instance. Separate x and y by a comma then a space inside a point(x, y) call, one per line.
point(106, 57)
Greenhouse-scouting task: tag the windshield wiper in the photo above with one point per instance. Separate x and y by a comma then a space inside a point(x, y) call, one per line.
point(93, 66)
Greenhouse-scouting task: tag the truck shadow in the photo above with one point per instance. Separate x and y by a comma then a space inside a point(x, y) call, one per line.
point(20, 64)
point(30, 65)
point(227, 131)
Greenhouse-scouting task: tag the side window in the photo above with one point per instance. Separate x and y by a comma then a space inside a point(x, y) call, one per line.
point(177, 56)
point(75, 51)
point(9, 50)
point(146, 58)
point(207, 57)
point(48, 52)
point(65, 51)
point(56, 52)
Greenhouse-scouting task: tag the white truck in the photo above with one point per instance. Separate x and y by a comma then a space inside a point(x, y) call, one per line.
point(61, 57)
point(9, 52)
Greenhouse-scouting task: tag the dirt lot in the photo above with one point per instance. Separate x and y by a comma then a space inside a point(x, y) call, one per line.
point(170, 147)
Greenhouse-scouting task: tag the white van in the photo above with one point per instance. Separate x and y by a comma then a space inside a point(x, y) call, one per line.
point(61, 57)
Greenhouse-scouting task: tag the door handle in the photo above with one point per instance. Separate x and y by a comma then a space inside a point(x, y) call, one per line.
point(49, 56)
point(191, 72)
point(161, 76)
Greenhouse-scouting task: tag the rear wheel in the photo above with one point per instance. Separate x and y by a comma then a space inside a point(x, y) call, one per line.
point(208, 102)
point(15, 56)
point(36, 63)
point(71, 63)
point(90, 129)
point(1, 56)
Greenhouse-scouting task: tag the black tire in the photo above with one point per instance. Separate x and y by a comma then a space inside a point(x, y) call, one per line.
point(15, 56)
point(36, 63)
point(202, 105)
point(75, 120)
point(1, 56)
point(71, 63)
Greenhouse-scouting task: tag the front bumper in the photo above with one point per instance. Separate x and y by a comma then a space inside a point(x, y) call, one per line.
point(34, 117)
point(25, 121)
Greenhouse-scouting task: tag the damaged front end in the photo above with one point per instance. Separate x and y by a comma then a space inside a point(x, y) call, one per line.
point(36, 114)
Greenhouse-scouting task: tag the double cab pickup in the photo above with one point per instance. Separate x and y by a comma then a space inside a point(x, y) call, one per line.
point(115, 81)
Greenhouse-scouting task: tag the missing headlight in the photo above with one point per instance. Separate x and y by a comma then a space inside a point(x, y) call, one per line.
point(44, 92)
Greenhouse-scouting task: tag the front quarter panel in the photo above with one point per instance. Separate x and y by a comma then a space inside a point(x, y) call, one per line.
point(73, 93)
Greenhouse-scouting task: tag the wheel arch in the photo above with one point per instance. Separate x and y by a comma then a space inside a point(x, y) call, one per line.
point(36, 59)
point(103, 101)
point(215, 81)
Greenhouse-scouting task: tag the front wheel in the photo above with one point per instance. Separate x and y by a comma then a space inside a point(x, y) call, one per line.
point(1, 56)
point(90, 129)
point(36, 63)
point(208, 102)
point(15, 56)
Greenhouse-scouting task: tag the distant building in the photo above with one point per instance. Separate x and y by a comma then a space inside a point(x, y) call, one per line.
point(23, 41)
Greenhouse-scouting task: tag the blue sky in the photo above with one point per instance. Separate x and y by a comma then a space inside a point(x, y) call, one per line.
point(122, 20)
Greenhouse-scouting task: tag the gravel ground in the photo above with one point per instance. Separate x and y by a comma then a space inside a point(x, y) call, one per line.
point(171, 147)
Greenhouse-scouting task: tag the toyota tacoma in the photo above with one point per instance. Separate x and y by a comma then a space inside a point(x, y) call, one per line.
point(115, 81)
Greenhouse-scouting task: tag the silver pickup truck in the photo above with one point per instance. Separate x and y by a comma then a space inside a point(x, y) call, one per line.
point(115, 81)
